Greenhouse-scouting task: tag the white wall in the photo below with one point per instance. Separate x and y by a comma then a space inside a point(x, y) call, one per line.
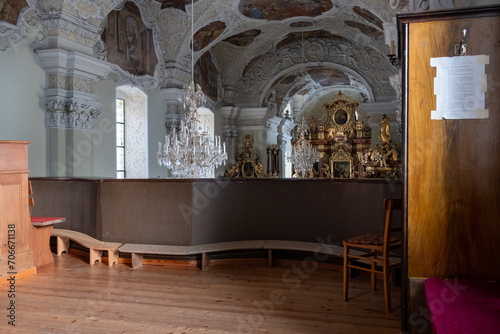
point(105, 134)
point(156, 132)
point(22, 108)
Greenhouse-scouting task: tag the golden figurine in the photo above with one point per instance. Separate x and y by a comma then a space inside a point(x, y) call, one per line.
point(385, 130)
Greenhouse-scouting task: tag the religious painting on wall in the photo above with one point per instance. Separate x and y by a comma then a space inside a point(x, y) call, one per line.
point(10, 9)
point(129, 43)
point(206, 75)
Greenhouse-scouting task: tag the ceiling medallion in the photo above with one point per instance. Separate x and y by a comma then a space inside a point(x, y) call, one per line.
point(314, 51)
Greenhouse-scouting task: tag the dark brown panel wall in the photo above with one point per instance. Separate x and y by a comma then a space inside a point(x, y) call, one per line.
point(184, 212)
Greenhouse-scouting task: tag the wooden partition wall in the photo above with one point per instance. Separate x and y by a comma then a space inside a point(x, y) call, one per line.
point(16, 256)
point(192, 212)
point(453, 165)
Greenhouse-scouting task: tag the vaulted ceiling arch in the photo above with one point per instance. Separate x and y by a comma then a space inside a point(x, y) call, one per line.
point(301, 83)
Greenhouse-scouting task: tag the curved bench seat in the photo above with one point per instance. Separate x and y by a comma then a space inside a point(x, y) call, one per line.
point(96, 247)
point(138, 251)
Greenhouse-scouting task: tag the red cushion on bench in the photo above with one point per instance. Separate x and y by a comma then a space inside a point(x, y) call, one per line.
point(463, 306)
point(42, 221)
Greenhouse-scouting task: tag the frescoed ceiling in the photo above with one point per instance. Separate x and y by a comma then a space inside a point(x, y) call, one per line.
point(178, 4)
point(280, 10)
point(247, 51)
point(260, 48)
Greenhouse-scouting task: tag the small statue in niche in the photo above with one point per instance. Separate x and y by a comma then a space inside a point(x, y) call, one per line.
point(385, 130)
point(326, 171)
point(364, 158)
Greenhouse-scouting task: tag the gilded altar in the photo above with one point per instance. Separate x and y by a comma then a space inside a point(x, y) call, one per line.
point(247, 163)
point(345, 146)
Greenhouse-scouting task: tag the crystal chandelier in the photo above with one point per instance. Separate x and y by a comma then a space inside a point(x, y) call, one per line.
point(303, 155)
point(189, 152)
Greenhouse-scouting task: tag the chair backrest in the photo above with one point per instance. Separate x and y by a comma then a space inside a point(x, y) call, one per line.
point(390, 205)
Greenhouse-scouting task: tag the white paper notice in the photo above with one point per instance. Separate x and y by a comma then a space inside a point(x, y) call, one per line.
point(459, 86)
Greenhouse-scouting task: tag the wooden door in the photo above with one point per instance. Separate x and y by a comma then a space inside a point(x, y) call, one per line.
point(453, 165)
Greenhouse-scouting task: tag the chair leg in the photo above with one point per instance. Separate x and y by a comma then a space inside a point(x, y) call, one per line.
point(373, 275)
point(387, 285)
point(346, 272)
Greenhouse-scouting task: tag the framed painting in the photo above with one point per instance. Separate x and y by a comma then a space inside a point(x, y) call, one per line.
point(341, 169)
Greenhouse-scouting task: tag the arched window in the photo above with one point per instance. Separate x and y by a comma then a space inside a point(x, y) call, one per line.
point(131, 133)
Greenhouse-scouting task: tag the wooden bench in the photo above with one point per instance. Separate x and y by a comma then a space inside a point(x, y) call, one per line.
point(96, 247)
point(138, 251)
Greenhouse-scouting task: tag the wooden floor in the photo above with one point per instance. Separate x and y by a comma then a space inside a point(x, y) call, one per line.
point(73, 297)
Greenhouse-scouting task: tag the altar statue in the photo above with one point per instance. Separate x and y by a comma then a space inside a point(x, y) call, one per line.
point(385, 130)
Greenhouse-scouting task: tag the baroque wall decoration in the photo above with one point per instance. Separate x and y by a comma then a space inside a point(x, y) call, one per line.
point(16, 26)
point(129, 43)
point(206, 75)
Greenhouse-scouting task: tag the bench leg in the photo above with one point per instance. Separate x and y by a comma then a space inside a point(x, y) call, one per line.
point(113, 256)
point(62, 245)
point(95, 255)
point(205, 260)
point(137, 260)
point(270, 258)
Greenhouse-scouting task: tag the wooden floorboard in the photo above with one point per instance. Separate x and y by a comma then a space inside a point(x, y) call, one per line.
point(73, 297)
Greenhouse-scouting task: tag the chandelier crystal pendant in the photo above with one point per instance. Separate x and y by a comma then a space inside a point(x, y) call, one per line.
point(303, 155)
point(189, 151)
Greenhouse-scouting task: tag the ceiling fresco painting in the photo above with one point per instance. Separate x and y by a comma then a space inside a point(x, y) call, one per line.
point(365, 29)
point(366, 14)
point(208, 34)
point(328, 76)
point(280, 10)
point(177, 4)
point(314, 76)
point(296, 37)
point(10, 9)
point(245, 38)
point(301, 24)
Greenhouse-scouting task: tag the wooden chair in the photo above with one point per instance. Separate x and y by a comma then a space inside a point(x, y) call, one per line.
point(370, 247)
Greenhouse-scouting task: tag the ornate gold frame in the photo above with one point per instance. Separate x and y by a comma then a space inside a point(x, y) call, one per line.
point(338, 105)
point(341, 159)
